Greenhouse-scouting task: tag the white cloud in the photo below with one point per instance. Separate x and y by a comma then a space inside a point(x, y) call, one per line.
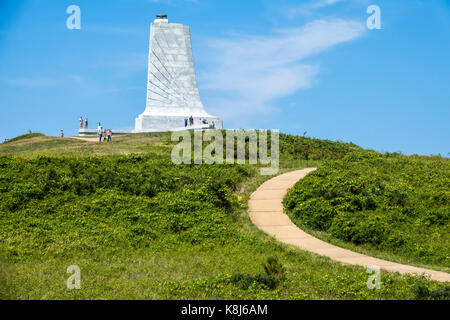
point(30, 82)
point(309, 7)
point(249, 74)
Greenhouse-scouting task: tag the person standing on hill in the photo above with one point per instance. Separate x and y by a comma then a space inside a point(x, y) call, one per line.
point(86, 123)
point(62, 134)
point(81, 122)
point(100, 132)
point(109, 135)
point(185, 122)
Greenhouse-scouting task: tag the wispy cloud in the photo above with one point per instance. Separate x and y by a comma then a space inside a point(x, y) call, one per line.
point(43, 81)
point(28, 82)
point(309, 7)
point(249, 73)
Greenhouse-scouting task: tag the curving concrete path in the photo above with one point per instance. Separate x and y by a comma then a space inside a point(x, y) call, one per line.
point(266, 212)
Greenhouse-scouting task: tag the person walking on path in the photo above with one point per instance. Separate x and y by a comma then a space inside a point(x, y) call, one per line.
point(86, 123)
point(109, 135)
point(191, 121)
point(81, 122)
point(185, 122)
point(100, 132)
point(62, 134)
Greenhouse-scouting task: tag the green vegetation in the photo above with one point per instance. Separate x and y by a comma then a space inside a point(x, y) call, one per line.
point(382, 203)
point(295, 148)
point(70, 147)
point(422, 292)
point(140, 227)
point(25, 136)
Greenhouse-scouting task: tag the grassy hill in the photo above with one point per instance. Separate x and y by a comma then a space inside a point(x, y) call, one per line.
point(140, 227)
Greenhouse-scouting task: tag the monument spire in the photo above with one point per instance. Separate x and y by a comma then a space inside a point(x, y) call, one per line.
point(172, 92)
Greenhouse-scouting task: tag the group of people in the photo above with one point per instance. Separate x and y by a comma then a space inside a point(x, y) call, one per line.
point(190, 120)
point(86, 122)
point(103, 134)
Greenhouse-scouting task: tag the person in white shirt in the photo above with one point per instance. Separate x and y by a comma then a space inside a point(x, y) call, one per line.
point(100, 132)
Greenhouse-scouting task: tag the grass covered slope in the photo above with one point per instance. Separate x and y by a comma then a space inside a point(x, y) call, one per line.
point(295, 148)
point(35, 146)
point(292, 148)
point(25, 137)
point(140, 227)
point(390, 204)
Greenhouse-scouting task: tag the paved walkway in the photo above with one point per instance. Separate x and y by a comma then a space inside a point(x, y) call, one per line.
point(266, 212)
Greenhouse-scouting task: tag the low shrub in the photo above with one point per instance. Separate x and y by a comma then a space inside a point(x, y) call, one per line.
point(244, 281)
point(421, 292)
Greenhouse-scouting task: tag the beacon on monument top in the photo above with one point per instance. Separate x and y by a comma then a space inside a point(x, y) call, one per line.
point(161, 18)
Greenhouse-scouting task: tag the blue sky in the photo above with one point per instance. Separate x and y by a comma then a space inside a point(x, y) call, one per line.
point(291, 65)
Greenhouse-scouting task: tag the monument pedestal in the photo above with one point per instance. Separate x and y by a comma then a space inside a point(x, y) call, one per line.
point(161, 123)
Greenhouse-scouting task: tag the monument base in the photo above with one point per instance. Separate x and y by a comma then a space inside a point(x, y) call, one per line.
point(93, 132)
point(157, 123)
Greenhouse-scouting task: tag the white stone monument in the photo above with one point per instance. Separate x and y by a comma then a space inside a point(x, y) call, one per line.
point(172, 93)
